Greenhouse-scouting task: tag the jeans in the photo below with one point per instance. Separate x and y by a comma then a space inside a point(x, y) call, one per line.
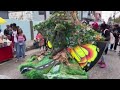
point(111, 46)
point(15, 46)
point(20, 50)
point(116, 44)
point(102, 58)
point(106, 49)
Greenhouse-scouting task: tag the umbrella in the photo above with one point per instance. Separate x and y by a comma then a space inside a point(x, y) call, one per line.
point(2, 21)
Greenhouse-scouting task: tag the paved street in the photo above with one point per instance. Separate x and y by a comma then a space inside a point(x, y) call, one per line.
point(112, 71)
point(10, 68)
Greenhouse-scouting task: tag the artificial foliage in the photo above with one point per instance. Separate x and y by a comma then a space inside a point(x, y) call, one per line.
point(59, 71)
point(60, 28)
point(64, 30)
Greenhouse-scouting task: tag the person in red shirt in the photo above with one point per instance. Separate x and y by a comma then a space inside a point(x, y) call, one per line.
point(39, 36)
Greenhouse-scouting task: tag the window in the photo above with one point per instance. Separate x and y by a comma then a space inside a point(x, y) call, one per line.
point(42, 12)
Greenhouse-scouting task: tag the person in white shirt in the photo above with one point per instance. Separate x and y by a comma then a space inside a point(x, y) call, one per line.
point(14, 34)
point(112, 41)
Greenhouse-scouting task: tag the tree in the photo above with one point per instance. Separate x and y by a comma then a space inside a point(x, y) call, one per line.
point(117, 20)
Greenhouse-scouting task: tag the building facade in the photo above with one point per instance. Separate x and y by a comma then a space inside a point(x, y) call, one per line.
point(29, 15)
point(4, 14)
point(43, 15)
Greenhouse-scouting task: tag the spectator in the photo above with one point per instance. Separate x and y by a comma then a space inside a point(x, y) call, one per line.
point(116, 35)
point(106, 34)
point(6, 31)
point(112, 40)
point(21, 38)
point(103, 26)
point(95, 26)
point(10, 34)
point(14, 34)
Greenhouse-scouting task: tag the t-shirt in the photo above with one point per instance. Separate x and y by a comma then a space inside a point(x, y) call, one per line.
point(95, 25)
point(39, 36)
point(15, 36)
point(21, 38)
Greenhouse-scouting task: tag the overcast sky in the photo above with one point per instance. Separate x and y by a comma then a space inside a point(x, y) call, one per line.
point(106, 15)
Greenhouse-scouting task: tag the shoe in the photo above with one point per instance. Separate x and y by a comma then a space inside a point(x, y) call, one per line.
point(100, 62)
point(17, 60)
point(103, 65)
point(114, 50)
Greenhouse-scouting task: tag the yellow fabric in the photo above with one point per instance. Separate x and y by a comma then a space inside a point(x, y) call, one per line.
point(82, 52)
point(2, 21)
point(49, 44)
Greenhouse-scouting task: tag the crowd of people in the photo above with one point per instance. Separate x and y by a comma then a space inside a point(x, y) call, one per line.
point(15, 34)
point(112, 37)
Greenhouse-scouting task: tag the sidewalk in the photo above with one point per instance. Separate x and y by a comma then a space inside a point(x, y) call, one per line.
point(10, 68)
point(112, 71)
point(29, 45)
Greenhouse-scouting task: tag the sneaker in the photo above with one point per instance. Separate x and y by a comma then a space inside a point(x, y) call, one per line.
point(114, 50)
point(17, 60)
point(100, 62)
point(103, 65)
